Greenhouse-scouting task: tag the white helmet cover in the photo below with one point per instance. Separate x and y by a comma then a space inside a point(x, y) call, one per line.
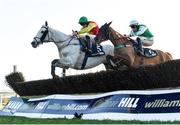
point(133, 22)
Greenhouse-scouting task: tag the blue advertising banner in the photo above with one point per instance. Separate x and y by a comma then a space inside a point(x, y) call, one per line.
point(119, 105)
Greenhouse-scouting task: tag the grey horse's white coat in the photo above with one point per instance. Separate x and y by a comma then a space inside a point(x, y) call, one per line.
point(68, 46)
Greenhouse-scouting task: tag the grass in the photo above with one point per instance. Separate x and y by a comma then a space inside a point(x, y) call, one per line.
point(23, 120)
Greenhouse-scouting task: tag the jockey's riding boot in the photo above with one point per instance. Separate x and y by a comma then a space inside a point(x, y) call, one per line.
point(140, 48)
point(83, 43)
point(135, 45)
point(88, 44)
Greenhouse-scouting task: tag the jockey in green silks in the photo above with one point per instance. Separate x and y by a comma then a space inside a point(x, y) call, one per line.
point(141, 34)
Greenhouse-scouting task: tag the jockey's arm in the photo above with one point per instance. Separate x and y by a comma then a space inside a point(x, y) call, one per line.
point(87, 29)
point(131, 34)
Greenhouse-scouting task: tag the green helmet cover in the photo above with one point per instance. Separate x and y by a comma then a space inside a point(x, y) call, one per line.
point(83, 19)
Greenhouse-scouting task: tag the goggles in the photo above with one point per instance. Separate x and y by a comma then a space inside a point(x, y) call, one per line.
point(133, 26)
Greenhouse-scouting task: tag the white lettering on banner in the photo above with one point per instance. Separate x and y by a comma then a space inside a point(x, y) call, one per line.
point(56, 106)
point(73, 107)
point(41, 105)
point(162, 103)
point(14, 105)
point(128, 102)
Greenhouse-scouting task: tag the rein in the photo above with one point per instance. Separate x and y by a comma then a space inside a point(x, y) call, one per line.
point(46, 32)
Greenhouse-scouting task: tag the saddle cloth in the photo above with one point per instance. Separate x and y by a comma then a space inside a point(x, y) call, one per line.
point(148, 52)
point(97, 50)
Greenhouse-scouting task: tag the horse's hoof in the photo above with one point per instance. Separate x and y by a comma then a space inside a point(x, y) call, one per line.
point(56, 77)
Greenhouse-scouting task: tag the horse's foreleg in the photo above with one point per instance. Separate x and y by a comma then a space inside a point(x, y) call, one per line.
point(53, 68)
point(110, 64)
point(64, 63)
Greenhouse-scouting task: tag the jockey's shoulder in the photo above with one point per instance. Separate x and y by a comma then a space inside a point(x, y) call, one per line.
point(142, 26)
point(92, 23)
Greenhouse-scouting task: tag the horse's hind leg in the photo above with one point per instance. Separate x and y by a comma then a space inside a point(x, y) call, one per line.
point(53, 68)
point(168, 56)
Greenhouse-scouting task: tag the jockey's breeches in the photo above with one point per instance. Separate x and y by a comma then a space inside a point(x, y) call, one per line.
point(147, 41)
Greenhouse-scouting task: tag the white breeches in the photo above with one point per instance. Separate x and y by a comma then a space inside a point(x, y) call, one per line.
point(83, 36)
point(145, 41)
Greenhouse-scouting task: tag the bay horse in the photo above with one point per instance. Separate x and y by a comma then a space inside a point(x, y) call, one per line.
point(70, 52)
point(124, 54)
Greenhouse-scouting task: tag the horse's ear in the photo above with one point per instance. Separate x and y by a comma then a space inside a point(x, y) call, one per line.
point(46, 23)
point(109, 23)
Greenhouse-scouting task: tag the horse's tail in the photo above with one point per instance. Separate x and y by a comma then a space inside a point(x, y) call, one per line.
point(168, 56)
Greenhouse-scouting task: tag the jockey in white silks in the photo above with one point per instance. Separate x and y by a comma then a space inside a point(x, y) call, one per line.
point(141, 34)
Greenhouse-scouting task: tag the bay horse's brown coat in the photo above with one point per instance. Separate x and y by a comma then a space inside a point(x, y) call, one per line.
point(127, 54)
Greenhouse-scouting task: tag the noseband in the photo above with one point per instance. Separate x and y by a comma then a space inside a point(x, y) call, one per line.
point(45, 33)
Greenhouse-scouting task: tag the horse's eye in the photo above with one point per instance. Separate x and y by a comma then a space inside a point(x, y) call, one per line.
point(42, 31)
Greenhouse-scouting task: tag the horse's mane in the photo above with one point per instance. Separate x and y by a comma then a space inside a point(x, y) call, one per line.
point(117, 36)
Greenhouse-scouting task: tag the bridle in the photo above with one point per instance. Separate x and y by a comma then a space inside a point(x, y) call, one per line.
point(46, 33)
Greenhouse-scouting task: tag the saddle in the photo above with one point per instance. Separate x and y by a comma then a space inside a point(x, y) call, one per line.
point(90, 49)
point(96, 50)
point(148, 52)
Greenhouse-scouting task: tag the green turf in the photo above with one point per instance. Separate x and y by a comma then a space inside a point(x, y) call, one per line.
point(22, 120)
